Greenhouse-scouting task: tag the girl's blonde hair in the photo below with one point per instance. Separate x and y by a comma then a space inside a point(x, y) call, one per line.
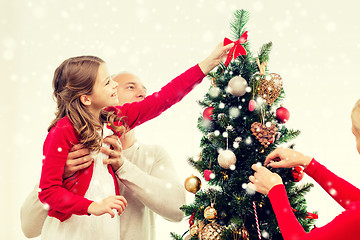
point(355, 116)
point(73, 78)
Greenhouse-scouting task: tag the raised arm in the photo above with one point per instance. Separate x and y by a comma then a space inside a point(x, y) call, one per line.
point(160, 189)
point(156, 103)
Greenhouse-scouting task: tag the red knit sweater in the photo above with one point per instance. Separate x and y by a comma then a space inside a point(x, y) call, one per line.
point(67, 197)
point(344, 226)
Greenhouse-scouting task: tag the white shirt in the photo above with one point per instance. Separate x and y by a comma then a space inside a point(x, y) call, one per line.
point(149, 183)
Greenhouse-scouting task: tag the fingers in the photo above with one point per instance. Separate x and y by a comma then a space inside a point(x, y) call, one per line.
point(77, 147)
point(227, 47)
point(114, 141)
point(77, 153)
point(274, 154)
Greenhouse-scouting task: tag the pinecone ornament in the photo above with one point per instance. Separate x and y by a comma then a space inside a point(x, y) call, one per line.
point(210, 232)
point(265, 134)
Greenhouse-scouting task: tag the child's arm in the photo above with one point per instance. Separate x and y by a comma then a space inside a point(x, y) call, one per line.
point(52, 192)
point(153, 105)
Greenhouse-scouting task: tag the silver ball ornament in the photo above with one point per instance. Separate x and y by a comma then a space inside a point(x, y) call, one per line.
point(237, 86)
point(226, 159)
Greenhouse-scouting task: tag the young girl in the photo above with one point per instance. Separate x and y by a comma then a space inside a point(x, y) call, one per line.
point(82, 88)
point(345, 225)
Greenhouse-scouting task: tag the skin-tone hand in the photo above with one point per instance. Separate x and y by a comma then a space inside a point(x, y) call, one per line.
point(107, 205)
point(215, 58)
point(287, 158)
point(79, 157)
point(116, 158)
point(263, 179)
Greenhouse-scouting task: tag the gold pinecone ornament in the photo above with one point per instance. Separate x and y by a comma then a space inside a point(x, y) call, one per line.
point(211, 231)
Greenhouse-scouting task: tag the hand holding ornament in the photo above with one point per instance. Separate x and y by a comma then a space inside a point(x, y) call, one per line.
point(263, 179)
point(215, 58)
point(286, 158)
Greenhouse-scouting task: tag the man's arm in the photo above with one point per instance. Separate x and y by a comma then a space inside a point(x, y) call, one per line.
point(159, 190)
point(32, 214)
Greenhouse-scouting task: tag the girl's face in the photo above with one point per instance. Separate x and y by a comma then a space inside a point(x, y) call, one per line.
point(104, 91)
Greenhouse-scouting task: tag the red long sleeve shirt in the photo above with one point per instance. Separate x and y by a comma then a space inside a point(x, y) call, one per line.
point(67, 197)
point(344, 226)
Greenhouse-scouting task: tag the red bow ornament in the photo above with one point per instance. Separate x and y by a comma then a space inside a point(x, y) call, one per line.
point(237, 49)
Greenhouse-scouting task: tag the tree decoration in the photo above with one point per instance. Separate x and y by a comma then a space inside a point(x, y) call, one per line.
point(297, 173)
point(207, 113)
point(226, 159)
point(211, 231)
point(264, 133)
point(252, 105)
point(194, 230)
point(244, 233)
point(270, 84)
point(208, 174)
point(282, 115)
point(237, 86)
point(237, 49)
point(210, 213)
point(192, 184)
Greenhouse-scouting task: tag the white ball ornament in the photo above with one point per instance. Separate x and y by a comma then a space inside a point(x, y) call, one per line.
point(226, 159)
point(237, 86)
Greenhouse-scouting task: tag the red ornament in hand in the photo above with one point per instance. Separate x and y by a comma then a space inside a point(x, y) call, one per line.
point(298, 173)
point(207, 113)
point(282, 115)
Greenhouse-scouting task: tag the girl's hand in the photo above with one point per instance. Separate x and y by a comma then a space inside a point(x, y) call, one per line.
point(107, 205)
point(286, 158)
point(116, 158)
point(215, 57)
point(263, 179)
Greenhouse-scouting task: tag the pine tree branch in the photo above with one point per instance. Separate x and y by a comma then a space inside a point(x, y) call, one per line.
point(241, 17)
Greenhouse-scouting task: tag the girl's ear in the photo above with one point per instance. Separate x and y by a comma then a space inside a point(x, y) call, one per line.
point(85, 99)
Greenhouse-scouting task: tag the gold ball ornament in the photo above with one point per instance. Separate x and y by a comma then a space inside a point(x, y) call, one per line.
point(226, 159)
point(237, 86)
point(192, 184)
point(210, 213)
point(194, 230)
point(211, 231)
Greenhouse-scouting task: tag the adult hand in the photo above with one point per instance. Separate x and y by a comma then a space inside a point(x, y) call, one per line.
point(286, 158)
point(116, 158)
point(79, 158)
point(263, 179)
point(215, 57)
point(107, 205)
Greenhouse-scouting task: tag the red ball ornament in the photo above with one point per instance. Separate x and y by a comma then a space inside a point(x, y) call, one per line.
point(207, 113)
point(207, 174)
point(298, 173)
point(252, 105)
point(282, 115)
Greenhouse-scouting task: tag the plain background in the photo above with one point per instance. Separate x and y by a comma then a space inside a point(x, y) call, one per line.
point(316, 49)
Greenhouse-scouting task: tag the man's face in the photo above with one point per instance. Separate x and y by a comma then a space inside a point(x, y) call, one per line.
point(130, 88)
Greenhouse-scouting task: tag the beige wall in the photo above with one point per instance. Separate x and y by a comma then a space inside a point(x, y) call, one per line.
point(316, 49)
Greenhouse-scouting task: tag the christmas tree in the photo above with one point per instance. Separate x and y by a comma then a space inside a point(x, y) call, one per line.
point(243, 121)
